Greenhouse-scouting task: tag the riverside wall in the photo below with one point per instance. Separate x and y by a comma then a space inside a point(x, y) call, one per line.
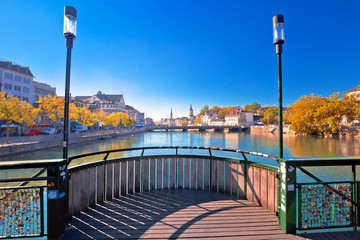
point(41, 142)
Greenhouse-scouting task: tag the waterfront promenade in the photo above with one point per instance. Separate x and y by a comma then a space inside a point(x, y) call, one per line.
point(23, 144)
point(183, 214)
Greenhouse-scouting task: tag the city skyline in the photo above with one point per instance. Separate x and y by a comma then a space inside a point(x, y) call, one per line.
point(173, 54)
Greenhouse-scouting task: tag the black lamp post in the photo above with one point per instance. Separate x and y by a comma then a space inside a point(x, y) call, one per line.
point(70, 35)
point(279, 40)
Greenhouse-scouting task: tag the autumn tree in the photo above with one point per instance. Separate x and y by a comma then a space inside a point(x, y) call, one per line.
point(252, 107)
point(224, 110)
point(215, 109)
point(197, 121)
point(53, 107)
point(83, 116)
point(322, 115)
point(13, 110)
point(204, 109)
point(99, 117)
point(113, 119)
point(184, 123)
point(269, 118)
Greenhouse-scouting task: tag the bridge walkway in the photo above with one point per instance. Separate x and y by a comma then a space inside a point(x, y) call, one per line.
point(180, 214)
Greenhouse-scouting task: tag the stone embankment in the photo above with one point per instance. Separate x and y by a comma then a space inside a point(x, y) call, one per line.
point(34, 143)
point(270, 129)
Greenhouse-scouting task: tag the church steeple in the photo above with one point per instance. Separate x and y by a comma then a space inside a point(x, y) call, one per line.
point(171, 115)
point(191, 114)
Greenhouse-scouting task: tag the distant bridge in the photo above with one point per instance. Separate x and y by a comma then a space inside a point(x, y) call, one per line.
point(199, 128)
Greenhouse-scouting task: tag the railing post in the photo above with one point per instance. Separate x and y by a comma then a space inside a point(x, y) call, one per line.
point(354, 197)
point(288, 197)
point(245, 175)
point(56, 200)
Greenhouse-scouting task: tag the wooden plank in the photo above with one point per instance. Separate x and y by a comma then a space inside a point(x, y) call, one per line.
point(271, 191)
point(213, 173)
point(109, 181)
point(193, 173)
point(180, 171)
point(200, 173)
point(100, 184)
point(234, 178)
point(275, 193)
point(166, 173)
point(172, 172)
point(207, 174)
point(137, 176)
point(71, 194)
point(228, 179)
point(257, 183)
point(250, 184)
point(85, 189)
point(158, 177)
point(220, 174)
point(264, 188)
point(92, 184)
point(123, 177)
point(187, 173)
point(241, 181)
point(145, 174)
point(116, 179)
point(77, 192)
point(152, 173)
point(130, 164)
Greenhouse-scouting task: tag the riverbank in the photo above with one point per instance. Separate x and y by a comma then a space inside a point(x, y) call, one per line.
point(35, 143)
point(270, 129)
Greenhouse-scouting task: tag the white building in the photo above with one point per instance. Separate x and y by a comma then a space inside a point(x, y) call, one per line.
point(16, 80)
point(217, 122)
point(42, 90)
point(108, 103)
point(237, 117)
point(207, 117)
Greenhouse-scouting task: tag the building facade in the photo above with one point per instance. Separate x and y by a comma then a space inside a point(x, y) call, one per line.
point(16, 80)
point(108, 103)
point(237, 116)
point(42, 90)
point(207, 117)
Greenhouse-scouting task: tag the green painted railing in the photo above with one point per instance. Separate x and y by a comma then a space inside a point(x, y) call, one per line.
point(321, 203)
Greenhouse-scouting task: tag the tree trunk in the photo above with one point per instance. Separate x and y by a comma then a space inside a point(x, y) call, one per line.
point(7, 132)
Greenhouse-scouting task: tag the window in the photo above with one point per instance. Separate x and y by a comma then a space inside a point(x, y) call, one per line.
point(17, 78)
point(26, 90)
point(8, 86)
point(17, 88)
point(26, 80)
point(26, 99)
point(8, 75)
point(36, 98)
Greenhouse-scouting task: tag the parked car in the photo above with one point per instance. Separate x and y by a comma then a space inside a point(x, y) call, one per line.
point(80, 128)
point(48, 131)
point(32, 132)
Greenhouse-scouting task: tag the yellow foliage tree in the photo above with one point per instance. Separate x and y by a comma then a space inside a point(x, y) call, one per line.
point(14, 110)
point(113, 119)
point(322, 115)
point(99, 117)
point(83, 116)
point(197, 121)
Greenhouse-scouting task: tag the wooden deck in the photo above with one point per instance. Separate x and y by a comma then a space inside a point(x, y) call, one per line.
point(181, 213)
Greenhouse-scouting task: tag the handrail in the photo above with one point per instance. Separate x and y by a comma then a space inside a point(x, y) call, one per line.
point(107, 152)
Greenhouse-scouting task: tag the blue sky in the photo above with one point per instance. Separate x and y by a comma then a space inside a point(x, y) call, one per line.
point(163, 54)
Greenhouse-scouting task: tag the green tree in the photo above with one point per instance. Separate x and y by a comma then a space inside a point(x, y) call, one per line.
point(14, 110)
point(204, 109)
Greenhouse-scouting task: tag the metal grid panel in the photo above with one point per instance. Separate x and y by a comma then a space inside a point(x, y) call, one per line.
point(327, 205)
point(21, 212)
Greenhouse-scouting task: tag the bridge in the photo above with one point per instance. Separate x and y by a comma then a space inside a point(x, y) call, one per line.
point(178, 192)
point(199, 128)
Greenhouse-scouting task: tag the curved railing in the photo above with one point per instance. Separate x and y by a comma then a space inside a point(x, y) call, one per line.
point(102, 180)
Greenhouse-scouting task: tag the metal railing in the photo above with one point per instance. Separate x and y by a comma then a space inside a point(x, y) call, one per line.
point(321, 203)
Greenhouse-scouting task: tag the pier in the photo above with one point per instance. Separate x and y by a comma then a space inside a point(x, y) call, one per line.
point(177, 192)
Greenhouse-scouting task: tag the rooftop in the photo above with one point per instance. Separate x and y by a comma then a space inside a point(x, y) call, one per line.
point(8, 65)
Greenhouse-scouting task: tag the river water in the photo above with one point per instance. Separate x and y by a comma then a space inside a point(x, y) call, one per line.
point(294, 146)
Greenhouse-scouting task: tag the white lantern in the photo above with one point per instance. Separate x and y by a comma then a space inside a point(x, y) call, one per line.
point(278, 27)
point(70, 21)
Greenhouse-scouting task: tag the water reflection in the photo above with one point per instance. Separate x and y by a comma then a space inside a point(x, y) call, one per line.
point(294, 146)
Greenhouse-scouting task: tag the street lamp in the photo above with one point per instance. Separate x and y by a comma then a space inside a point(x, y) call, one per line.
point(279, 40)
point(70, 35)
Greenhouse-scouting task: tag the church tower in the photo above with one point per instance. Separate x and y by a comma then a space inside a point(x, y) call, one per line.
point(191, 114)
point(171, 119)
